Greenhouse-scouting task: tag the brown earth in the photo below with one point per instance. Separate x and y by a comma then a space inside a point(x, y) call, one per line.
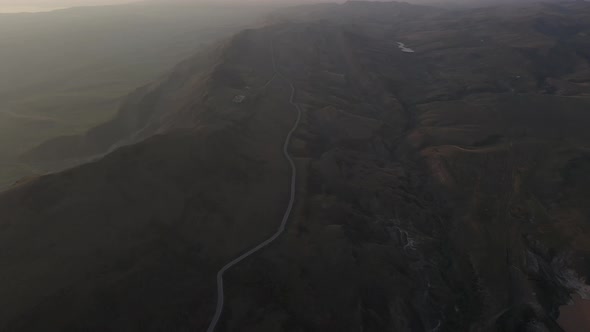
point(575, 317)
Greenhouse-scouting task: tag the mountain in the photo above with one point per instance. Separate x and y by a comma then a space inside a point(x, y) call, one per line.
point(67, 71)
point(442, 182)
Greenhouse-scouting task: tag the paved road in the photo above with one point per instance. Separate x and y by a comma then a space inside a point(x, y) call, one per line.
point(462, 149)
point(281, 229)
point(476, 150)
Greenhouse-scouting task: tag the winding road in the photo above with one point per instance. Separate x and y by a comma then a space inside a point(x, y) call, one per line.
point(281, 229)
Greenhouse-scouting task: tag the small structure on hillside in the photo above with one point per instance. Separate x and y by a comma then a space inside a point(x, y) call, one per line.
point(239, 99)
point(403, 48)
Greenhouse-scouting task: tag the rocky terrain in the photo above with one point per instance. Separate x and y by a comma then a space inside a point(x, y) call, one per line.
point(444, 189)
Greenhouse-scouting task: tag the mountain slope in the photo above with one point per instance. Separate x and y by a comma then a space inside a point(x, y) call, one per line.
point(144, 113)
point(159, 202)
point(67, 71)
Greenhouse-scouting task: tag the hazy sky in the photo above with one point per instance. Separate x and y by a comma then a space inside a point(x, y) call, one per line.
point(59, 3)
point(31, 6)
point(71, 3)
